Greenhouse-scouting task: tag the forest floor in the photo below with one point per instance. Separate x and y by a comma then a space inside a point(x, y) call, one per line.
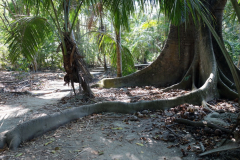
point(146, 135)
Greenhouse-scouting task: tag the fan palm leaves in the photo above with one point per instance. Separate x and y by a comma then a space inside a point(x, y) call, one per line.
point(110, 43)
point(176, 10)
point(34, 29)
point(26, 35)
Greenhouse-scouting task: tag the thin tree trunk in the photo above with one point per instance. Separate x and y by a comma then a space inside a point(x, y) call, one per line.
point(238, 64)
point(103, 30)
point(119, 54)
point(105, 62)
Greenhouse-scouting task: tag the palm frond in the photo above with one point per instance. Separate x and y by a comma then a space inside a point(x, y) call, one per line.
point(127, 60)
point(120, 11)
point(128, 63)
point(26, 35)
point(110, 42)
point(179, 11)
point(38, 3)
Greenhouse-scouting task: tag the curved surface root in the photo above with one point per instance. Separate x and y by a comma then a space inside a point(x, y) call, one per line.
point(39, 126)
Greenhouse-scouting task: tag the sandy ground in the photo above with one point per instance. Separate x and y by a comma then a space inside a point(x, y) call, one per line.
point(106, 136)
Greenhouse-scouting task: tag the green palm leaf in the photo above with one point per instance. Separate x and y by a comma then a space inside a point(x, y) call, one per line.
point(38, 3)
point(26, 35)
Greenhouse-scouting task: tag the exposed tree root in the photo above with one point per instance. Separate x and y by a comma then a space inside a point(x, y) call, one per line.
point(225, 91)
point(228, 146)
point(205, 105)
point(226, 81)
point(36, 127)
point(186, 80)
point(168, 69)
point(201, 124)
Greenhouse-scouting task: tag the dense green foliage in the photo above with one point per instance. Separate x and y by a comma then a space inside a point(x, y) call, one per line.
point(231, 33)
point(143, 33)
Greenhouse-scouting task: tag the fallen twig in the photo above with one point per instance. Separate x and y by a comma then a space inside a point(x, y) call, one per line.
point(202, 146)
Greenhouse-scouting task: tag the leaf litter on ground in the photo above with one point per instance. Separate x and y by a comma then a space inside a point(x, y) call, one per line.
point(153, 125)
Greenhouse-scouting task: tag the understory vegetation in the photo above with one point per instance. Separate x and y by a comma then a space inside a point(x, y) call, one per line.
point(143, 42)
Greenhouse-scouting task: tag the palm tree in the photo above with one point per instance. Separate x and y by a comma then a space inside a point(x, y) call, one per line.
point(23, 39)
point(109, 42)
point(27, 33)
point(120, 16)
point(142, 39)
point(97, 13)
point(16, 9)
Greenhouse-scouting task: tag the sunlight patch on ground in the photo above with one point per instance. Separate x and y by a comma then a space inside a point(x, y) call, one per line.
point(42, 100)
point(118, 156)
point(105, 141)
point(7, 111)
point(132, 156)
point(56, 95)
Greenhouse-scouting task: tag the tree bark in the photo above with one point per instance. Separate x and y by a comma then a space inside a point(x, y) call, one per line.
point(119, 54)
point(189, 65)
point(75, 67)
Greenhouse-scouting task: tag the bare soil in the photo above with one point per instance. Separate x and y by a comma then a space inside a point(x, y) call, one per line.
point(146, 135)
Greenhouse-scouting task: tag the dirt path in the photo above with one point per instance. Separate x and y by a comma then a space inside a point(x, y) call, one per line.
point(99, 137)
point(19, 108)
point(104, 136)
point(107, 136)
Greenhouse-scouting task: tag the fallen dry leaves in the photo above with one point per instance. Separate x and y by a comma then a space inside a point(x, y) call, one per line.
point(156, 126)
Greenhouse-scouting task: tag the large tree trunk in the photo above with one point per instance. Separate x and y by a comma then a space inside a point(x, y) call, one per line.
point(197, 64)
point(170, 66)
point(190, 65)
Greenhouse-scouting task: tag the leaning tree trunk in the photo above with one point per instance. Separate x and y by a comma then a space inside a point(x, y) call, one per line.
point(198, 64)
point(75, 67)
